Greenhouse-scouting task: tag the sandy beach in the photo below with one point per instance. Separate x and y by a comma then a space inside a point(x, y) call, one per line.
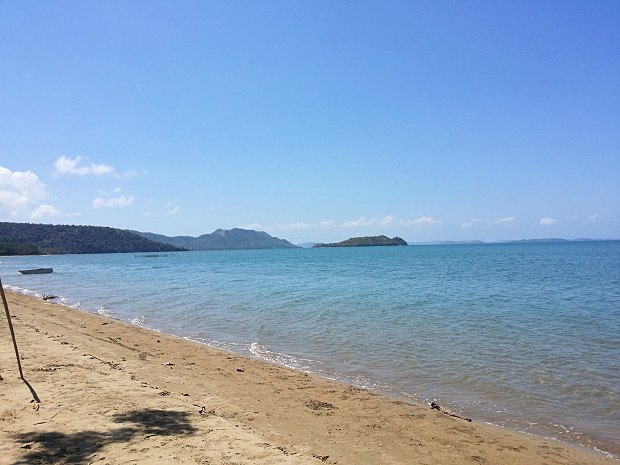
point(114, 393)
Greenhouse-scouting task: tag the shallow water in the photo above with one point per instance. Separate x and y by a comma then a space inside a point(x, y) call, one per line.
point(520, 335)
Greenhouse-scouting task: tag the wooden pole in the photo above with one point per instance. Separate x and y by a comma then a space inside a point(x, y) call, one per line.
point(8, 319)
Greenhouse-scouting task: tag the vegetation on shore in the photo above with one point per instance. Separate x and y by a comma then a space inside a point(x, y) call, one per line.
point(48, 239)
point(366, 241)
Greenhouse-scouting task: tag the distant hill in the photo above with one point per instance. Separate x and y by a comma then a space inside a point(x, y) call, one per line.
point(366, 242)
point(515, 241)
point(223, 239)
point(37, 239)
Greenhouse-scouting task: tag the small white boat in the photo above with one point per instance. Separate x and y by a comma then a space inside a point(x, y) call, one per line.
point(37, 271)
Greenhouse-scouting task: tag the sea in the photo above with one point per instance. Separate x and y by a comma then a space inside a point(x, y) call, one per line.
point(520, 335)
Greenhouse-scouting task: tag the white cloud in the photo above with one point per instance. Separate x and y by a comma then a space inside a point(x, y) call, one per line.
point(501, 221)
point(505, 220)
point(594, 218)
point(131, 174)
point(113, 202)
point(172, 210)
point(45, 211)
point(547, 221)
point(327, 224)
point(18, 189)
point(66, 165)
point(294, 226)
point(299, 226)
point(254, 226)
point(391, 220)
point(360, 222)
point(426, 221)
point(471, 223)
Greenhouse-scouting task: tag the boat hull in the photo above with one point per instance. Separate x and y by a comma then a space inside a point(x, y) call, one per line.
point(37, 271)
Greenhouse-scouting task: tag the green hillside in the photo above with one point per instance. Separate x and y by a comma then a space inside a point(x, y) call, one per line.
point(37, 239)
point(224, 239)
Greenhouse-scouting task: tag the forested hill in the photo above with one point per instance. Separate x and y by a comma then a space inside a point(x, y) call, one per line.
point(224, 239)
point(36, 239)
point(365, 242)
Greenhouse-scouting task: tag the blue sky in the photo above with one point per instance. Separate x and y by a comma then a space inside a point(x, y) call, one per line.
point(316, 120)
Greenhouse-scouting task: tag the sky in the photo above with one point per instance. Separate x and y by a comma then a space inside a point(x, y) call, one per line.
point(313, 120)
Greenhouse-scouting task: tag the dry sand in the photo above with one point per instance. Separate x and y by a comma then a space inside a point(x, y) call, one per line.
point(113, 393)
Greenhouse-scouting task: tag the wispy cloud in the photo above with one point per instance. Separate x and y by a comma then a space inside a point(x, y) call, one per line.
point(504, 221)
point(254, 226)
point(66, 165)
point(45, 211)
point(298, 226)
point(362, 221)
point(113, 202)
point(426, 221)
point(295, 226)
point(130, 174)
point(471, 223)
point(19, 189)
point(391, 220)
point(593, 218)
point(547, 221)
point(172, 209)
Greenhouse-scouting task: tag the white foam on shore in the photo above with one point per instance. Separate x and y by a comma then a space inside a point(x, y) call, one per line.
point(22, 290)
point(104, 310)
point(286, 360)
point(140, 320)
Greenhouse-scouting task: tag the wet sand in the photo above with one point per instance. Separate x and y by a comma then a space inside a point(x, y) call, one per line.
point(114, 393)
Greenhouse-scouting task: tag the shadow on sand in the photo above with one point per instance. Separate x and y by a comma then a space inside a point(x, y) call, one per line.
point(78, 448)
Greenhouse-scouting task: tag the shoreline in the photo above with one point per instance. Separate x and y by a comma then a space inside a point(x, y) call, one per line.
point(115, 390)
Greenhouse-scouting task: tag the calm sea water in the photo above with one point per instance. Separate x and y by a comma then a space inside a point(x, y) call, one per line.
point(520, 335)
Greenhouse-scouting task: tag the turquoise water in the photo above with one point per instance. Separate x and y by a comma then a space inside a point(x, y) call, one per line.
point(520, 335)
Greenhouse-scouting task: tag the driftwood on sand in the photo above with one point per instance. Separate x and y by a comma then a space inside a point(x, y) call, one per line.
point(436, 406)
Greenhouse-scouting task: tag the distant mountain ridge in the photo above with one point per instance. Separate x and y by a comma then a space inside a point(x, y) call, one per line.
point(223, 239)
point(38, 239)
point(515, 241)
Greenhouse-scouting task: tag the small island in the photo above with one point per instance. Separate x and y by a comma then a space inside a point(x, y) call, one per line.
point(368, 241)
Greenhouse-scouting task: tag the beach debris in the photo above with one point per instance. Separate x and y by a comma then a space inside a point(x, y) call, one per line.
point(168, 364)
point(49, 297)
point(322, 458)
point(240, 370)
point(319, 405)
point(436, 406)
point(164, 393)
point(203, 411)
